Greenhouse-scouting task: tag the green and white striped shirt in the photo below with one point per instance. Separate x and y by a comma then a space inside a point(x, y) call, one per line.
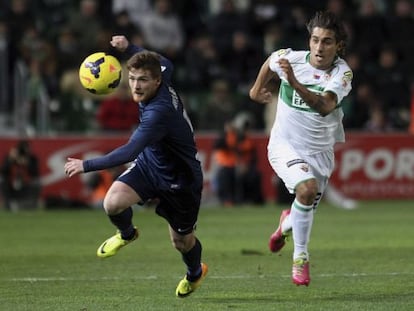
point(296, 122)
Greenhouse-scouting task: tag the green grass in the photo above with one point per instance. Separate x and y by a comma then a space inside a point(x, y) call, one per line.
point(360, 260)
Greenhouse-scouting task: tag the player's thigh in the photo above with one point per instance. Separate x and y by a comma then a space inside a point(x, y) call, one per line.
point(140, 180)
point(322, 167)
point(180, 208)
point(291, 167)
point(119, 197)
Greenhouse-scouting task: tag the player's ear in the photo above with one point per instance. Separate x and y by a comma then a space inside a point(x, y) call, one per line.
point(340, 48)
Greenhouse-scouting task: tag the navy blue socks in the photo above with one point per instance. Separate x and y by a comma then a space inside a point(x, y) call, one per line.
point(123, 221)
point(193, 261)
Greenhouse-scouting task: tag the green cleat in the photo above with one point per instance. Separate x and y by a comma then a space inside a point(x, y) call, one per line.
point(112, 245)
point(185, 287)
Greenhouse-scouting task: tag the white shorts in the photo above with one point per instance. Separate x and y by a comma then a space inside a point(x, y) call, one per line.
point(293, 167)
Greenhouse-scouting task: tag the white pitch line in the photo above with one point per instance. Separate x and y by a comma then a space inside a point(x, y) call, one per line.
point(154, 277)
point(64, 279)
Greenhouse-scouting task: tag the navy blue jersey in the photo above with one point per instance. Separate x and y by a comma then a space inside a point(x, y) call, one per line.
point(163, 144)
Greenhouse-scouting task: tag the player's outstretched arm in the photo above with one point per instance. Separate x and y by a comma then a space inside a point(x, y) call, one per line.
point(73, 167)
point(121, 43)
point(259, 93)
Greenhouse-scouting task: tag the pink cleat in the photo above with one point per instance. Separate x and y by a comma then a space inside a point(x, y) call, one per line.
point(300, 271)
point(278, 238)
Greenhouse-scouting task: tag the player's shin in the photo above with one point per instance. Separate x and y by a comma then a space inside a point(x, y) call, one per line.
point(123, 221)
point(301, 217)
point(192, 259)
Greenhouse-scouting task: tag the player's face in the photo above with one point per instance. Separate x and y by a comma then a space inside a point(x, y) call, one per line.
point(143, 86)
point(323, 47)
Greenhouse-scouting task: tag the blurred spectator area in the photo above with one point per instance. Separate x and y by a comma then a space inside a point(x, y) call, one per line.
point(217, 46)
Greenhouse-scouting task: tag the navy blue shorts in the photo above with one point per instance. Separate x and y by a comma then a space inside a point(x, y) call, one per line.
point(179, 203)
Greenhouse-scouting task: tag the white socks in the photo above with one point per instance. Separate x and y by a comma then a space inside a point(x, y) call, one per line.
point(301, 219)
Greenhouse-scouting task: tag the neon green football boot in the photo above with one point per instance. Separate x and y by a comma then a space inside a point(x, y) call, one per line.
point(112, 245)
point(185, 287)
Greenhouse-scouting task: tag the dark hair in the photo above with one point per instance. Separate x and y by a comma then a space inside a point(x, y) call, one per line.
point(329, 20)
point(146, 60)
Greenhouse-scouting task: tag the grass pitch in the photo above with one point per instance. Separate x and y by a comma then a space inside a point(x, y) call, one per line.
point(360, 260)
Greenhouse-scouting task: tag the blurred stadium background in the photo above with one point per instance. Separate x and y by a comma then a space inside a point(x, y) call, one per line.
point(217, 47)
point(362, 259)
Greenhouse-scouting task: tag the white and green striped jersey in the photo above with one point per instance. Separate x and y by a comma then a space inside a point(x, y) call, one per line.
point(296, 122)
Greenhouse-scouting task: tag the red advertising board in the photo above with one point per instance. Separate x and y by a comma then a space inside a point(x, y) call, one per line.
point(375, 166)
point(367, 166)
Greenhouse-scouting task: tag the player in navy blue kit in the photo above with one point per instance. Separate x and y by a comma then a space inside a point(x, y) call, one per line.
point(164, 164)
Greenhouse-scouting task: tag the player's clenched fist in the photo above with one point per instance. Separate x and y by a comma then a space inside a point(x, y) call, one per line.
point(120, 43)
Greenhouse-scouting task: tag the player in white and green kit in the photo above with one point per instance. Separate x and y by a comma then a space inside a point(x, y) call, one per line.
point(308, 123)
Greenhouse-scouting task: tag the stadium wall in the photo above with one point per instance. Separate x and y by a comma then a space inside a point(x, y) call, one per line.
point(368, 166)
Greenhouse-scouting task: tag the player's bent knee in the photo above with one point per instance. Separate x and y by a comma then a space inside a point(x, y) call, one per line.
point(306, 192)
point(179, 245)
point(113, 205)
point(182, 244)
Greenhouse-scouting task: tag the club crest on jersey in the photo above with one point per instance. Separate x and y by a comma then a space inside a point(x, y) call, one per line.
point(305, 167)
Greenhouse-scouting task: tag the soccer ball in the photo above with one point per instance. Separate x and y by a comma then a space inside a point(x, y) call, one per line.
point(100, 73)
